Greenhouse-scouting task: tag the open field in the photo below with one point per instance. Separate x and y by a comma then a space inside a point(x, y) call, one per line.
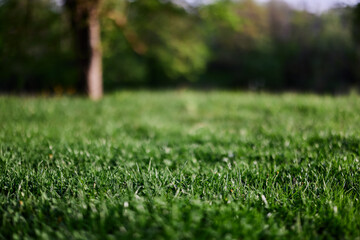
point(180, 165)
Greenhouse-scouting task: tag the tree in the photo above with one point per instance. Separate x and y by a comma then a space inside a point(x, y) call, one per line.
point(356, 32)
point(152, 42)
point(84, 18)
point(36, 52)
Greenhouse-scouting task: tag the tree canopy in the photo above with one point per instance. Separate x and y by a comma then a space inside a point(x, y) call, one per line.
point(155, 43)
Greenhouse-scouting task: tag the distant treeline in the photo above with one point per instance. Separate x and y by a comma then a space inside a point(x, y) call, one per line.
point(154, 43)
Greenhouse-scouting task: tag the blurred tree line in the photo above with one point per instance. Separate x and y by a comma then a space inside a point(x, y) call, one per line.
point(163, 43)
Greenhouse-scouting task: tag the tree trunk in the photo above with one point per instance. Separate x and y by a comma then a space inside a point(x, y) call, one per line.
point(94, 73)
point(84, 16)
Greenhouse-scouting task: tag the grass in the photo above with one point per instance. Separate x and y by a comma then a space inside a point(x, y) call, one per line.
point(180, 165)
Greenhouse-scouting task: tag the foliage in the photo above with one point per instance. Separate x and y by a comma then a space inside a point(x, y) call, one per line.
point(180, 165)
point(173, 51)
point(282, 48)
point(156, 43)
point(35, 46)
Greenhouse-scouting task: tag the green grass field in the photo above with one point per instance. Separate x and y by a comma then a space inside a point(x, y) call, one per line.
point(180, 165)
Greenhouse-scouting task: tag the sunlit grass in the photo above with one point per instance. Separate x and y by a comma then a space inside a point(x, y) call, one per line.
point(180, 165)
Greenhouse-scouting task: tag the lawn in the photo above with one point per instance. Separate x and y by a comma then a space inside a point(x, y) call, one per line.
point(180, 165)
